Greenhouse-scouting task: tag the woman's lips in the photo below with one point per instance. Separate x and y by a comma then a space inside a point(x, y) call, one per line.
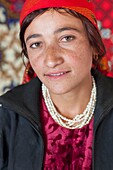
point(56, 74)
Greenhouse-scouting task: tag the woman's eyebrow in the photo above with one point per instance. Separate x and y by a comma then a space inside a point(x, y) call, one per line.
point(55, 32)
point(66, 28)
point(33, 36)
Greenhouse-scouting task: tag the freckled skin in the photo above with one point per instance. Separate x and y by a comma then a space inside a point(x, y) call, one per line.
point(60, 53)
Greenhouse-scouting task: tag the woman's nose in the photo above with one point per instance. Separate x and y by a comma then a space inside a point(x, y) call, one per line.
point(53, 57)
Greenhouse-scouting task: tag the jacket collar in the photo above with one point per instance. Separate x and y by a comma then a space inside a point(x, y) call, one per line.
point(104, 101)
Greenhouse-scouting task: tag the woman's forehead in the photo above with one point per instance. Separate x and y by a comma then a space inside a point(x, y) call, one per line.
point(51, 15)
point(53, 24)
point(55, 19)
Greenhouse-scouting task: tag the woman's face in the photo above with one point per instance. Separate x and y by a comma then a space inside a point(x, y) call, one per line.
point(59, 51)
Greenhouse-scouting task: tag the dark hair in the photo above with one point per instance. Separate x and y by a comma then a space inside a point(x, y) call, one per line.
point(93, 34)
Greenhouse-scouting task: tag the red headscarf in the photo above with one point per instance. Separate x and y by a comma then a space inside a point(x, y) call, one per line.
point(84, 7)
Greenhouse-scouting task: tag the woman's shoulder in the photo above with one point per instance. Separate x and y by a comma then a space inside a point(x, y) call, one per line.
point(21, 92)
point(22, 101)
point(102, 79)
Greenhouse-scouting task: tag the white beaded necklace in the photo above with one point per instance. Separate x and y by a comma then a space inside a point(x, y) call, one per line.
point(79, 120)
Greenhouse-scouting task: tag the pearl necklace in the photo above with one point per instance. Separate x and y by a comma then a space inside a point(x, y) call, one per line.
point(79, 120)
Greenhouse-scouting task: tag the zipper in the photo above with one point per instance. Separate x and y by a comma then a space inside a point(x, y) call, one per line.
point(36, 128)
point(42, 154)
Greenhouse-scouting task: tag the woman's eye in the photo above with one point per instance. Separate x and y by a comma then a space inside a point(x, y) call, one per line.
point(68, 38)
point(36, 45)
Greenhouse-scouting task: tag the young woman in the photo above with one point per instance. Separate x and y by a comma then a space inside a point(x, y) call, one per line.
point(63, 118)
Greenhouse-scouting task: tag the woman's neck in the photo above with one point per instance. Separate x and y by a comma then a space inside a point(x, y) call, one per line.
point(74, 102)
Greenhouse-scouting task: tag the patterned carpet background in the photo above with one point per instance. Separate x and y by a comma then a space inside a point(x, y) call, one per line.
point(11, 64)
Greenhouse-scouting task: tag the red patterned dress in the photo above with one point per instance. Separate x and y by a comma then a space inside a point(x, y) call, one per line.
point(66, 149)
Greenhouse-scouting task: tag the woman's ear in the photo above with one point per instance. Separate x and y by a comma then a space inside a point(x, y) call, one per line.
point(95, 55)
point(28, 74)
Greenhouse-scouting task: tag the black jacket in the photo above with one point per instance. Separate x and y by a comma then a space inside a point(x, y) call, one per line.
point(21, 142)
